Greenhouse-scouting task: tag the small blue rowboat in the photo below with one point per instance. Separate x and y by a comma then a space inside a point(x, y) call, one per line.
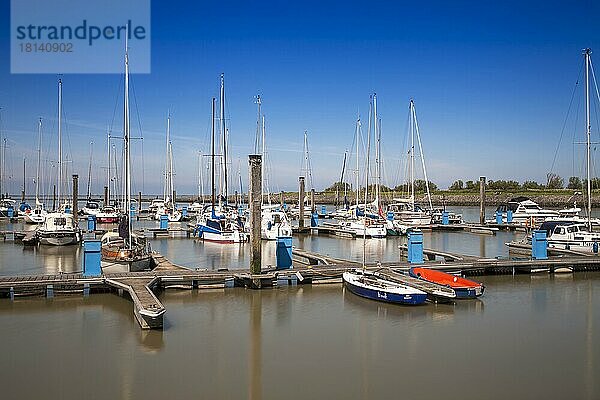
point(372, 286)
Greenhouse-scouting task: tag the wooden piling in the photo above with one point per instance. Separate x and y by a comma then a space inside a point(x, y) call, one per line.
point(75, 194)
point(281, 199)
point(312, 201)
point(254, 204)
point(105, 196)
point(482, 200)
point(139, 202)
point(174, 197)
point(301, 205)
point(53, 197)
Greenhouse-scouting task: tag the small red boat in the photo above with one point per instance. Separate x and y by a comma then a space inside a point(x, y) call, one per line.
point(464, 288)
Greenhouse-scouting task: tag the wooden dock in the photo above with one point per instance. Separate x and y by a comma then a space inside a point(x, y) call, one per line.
point(141, 287)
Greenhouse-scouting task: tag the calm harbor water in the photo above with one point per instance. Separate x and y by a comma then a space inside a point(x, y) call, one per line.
point(527, 337)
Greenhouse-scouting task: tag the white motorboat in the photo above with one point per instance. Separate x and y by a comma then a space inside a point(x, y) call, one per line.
point(59, 229)
point(274, 224)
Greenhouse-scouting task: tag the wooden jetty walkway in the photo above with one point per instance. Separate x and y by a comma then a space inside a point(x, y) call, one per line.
point(141, 287)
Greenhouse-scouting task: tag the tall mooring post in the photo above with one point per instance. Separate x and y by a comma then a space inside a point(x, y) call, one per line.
point(139, 206)
point(254, 203)
point(53, 197)
point(482, 200)
point(281, 199)
point(105, 196)
point(75, 194)
point(174, 197)
point(301, 205)
point(312, 201)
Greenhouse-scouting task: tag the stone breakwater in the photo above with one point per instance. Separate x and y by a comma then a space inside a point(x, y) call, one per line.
point(493, 198)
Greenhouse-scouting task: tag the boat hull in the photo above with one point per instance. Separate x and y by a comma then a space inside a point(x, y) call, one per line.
point(385, 296)
point(464, 288)
point(58, 238)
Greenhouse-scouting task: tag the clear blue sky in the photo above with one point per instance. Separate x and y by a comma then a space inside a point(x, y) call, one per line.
point(491, 83)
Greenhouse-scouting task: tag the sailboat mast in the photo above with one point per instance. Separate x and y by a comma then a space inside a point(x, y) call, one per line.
point(377, 152)
point(262, 189)
point(412, 153)
point(60, 171)
point(224, 135)
point(108, 167)
point(422, 158)
point(126, 142)
point(39, 160)
point(212, 156)
point(89, 182)
point(357, 163)
point(166, 183)
point(24, 159)
point(368, 165)
point(587, 53)
point(1, 157)
point(200, 183)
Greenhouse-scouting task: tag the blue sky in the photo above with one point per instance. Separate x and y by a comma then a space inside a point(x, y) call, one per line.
point(491, 83)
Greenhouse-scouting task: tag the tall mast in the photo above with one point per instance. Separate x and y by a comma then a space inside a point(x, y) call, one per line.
point(126, 143)
point(24, 159)
point(108, 181)
point(171, 183)
point(262, 182)
point(257, 136)
point(368, 156)
point(412, 153)
point(357, 163)
point(368, 152)
point(224, 135)
point(39, 160)
point(89, 182)
point(200, 180)
point(377, 152)
point(587, 53)
point(212, 157)
point(60, 171)
point(416, 125)
point(167, 163)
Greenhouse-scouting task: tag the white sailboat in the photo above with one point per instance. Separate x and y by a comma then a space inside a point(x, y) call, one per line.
point(219, 223)
point(362, 222)
point(37, 215)
point(91, 207)
point(59, 228)
point(168, 206)
point(406, 212)
point(274, 221)
point(125, 249)
point(108, 214)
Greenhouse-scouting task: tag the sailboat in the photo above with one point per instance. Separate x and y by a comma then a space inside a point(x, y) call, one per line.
point(405, 211)
point(125, 248)
point(37, 215)
point(575, 232)
point(363, 221)
point(274, 221)
point(197, 206)
point(5, 201)
point(91, 207)
point(374, 286)
point(168, 206)
point(219, 223)
point(108, 214)
point(59, 228)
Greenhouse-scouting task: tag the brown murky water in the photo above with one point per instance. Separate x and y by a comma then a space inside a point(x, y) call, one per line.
point(527, 337)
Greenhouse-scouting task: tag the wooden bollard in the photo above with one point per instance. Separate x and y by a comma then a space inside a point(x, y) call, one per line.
point(254, 204)
point(301, 204)
point(312, 201)
point(105, 196)
point(75, 194)
point(482, 200)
